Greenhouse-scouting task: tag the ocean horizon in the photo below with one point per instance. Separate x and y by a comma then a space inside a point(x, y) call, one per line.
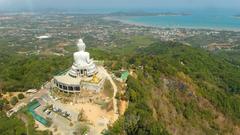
point(214, 20)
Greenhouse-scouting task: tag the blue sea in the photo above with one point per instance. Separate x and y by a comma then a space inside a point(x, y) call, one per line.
point(201, 19)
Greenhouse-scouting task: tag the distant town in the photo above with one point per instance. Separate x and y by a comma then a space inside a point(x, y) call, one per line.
point(35, 33)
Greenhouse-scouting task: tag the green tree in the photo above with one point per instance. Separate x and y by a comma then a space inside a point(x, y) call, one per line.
point(21, 96)
point(14, 100)
point(2, 104)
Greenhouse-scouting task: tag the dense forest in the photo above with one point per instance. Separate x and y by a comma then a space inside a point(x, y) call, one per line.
point(19, 73)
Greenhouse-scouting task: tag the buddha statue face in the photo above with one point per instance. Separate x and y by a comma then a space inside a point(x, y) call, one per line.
point(81, 45)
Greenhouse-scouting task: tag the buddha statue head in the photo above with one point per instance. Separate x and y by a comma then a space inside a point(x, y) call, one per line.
point(81, 45)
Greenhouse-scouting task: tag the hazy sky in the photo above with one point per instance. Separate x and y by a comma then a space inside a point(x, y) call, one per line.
point(100, 4)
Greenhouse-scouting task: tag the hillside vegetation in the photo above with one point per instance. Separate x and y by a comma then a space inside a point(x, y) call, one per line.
point(174, 89)
point(19, 73)
point(178, 89)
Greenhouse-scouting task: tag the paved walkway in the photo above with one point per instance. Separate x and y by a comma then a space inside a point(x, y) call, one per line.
point(115, 107)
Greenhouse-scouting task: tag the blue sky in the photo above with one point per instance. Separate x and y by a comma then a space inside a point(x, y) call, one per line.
point(130, 4)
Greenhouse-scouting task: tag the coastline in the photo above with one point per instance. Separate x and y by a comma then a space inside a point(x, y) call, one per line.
point(125, 21)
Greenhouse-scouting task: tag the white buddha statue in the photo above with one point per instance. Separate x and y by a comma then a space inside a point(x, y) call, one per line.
point(83, 65)
point(81, 58)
